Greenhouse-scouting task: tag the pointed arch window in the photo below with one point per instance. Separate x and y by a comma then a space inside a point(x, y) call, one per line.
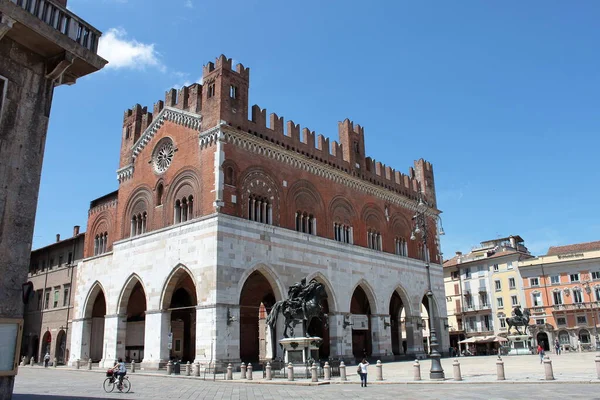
point(159, 194)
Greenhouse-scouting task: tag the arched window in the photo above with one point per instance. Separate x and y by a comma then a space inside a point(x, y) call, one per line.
point(260, 209)
point(96, 244)
point(230, 176)
point(100, 243)
point(401, 246)
point(138, 223)
point(420, 251)
point(306, 223)
point(374, 239)
point(159, 194)
point(184, 209)
point(342, 232)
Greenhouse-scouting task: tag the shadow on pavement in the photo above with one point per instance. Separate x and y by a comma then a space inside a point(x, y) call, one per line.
point(58, 397)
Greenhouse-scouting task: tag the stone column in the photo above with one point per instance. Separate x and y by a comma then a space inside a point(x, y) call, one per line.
point(209, 321)
point(114, 339)
point(376, 337)
point(81, 330)
point(340, 337)
point(156, 338)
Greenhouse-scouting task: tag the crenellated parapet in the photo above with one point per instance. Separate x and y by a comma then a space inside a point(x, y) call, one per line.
point(223, 96)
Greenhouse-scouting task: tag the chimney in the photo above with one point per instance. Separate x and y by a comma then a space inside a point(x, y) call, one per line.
point(57, 237)
point(459, 253)
point(75, 230)
point(513, 242)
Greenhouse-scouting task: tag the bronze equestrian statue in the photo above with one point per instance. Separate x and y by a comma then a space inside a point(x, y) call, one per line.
point(302, 305)
point(520, 319)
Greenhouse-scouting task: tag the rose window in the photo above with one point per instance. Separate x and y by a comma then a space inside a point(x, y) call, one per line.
point(163, 155)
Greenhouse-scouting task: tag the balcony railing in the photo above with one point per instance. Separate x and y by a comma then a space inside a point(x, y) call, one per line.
point(479, 329)
point(577, 306)
point(63, 21)
point(478, 307)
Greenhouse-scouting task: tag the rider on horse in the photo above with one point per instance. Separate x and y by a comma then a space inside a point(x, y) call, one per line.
point(295, 297)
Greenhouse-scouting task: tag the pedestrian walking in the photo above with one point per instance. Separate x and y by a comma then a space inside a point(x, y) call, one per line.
point(557, 347)
point(362, 371)
point(46, 360)
point(540, 350)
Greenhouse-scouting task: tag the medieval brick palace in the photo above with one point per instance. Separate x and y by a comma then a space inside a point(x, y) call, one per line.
point(216, 214)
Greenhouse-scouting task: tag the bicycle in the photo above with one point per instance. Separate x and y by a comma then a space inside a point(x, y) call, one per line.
point(112, 382)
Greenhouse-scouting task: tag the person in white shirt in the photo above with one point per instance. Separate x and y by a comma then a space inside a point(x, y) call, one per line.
point(363, 372)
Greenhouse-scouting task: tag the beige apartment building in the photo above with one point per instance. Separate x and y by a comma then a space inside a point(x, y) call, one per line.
point(482, 287)
point(49, 311)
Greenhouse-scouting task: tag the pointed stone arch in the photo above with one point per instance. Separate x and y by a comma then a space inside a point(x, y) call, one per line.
point(90, 299)
point(368, 289)
point(130, 283)
point(171, 283)
point(332, 301)
point(269, 274)
point(399, 306)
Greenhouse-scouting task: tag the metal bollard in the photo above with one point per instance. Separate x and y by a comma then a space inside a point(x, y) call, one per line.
point(598, 365)
point(313, 373)
point(456, 368)
point(187, 369)
point(229, 372)
point(416, 371)
point(78, 363)
point(343, 371)
point(55, 362)
point(290, 372)
point(379, 369)
point(132, 366)
point(249, 372)
point(31, 361)
point(500, 369)
point(169, 368)
point(326, 372)
point(243, 371)
point(548, 369)
point(197, 368)
point(268, 372)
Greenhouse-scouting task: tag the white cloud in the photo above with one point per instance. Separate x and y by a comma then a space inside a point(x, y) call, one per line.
point(186, 82)
point(122, 52)
point(188, 4)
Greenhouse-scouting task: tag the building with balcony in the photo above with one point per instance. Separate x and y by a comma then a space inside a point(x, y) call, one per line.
point(482, 287)
point(53, 272)
point(562, 289)
point(42, 45)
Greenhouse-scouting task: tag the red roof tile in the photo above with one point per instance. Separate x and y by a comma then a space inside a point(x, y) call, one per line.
point(572, 248)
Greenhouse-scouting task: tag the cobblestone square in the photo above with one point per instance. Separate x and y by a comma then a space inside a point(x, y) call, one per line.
point(575, 379)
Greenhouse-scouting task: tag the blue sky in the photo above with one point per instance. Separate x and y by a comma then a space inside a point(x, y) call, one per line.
point(502, 98)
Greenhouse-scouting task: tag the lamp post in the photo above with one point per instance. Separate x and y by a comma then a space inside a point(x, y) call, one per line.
point(420, 228)
point(588, 290)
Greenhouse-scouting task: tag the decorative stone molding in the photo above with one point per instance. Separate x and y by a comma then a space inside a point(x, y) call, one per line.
point(179, 117)
point(125, 173)
point(103, 206)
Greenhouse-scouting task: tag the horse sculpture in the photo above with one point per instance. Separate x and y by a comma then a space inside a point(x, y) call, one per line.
point(518, 320)
point(303, 305)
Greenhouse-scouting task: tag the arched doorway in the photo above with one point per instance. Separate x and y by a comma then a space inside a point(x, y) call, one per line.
point(46, 341)
point(320, 328)
point(584, 336)
point(180, 299)
point(133, 305)
point(61, 347)
point(97, 327)
point(35, 345)
point(397, 310)
point(360, 308)
point(542, 339)
point(256, 290)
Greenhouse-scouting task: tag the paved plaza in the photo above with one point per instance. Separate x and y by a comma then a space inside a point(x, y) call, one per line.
point(575, 377)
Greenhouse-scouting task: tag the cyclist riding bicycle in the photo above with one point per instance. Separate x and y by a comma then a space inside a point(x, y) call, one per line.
point(120, 371)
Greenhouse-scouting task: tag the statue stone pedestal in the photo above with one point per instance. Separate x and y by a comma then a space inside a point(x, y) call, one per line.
point(519, 344)
point(298, 350)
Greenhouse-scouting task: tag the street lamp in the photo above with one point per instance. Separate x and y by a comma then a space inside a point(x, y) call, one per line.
point(588, 290)
point(420, 228)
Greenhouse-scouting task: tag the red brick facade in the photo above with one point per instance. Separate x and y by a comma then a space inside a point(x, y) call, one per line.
point(334, 182)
